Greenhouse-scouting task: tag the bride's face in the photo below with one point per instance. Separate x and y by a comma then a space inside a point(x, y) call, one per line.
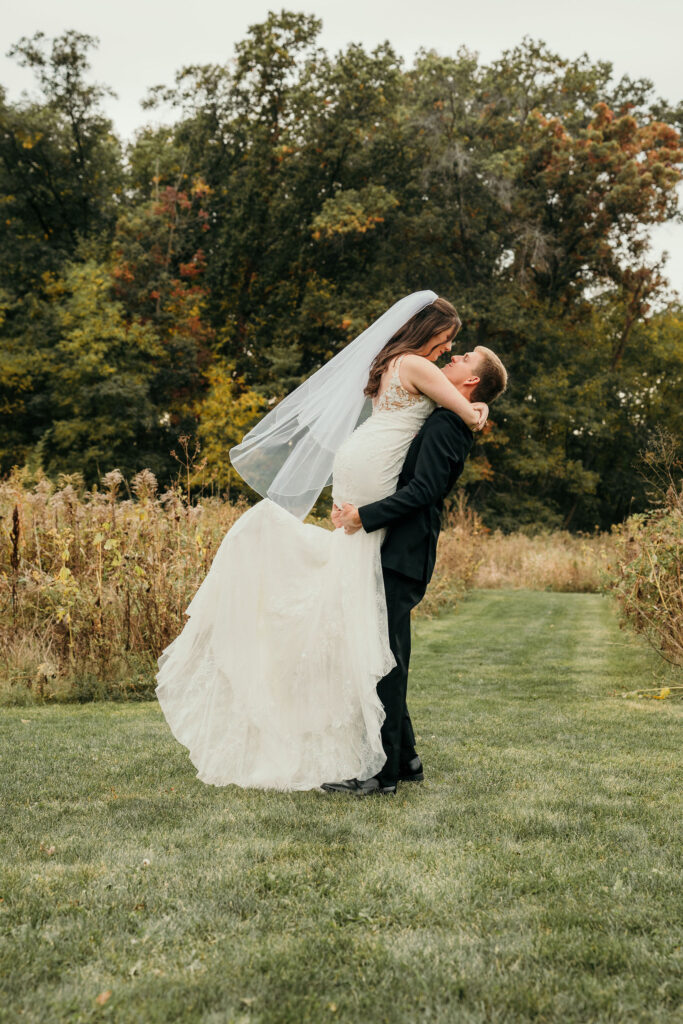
point(437, 345)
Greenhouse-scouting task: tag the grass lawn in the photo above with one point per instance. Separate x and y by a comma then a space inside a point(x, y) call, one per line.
point(534, 876)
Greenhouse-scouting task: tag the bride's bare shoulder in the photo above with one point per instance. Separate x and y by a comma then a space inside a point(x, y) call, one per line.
point(412, 370)
point(413, 363)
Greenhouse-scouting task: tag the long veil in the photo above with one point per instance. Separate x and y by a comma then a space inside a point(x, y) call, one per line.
point(288, 455)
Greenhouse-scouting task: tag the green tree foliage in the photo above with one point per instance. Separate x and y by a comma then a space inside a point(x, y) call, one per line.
point(60, 164)
point(299, 193)
point(98, 388)
point(158, 266)
point(276, 137)
point(225, 415)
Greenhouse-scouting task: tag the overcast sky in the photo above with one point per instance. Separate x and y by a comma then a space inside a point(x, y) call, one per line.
point(143, 42)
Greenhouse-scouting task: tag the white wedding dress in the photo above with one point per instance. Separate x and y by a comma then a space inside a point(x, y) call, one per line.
point(272, 682)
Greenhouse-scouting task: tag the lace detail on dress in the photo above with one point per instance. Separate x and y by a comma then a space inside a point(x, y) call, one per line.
point(368, 463)
point(395, 396)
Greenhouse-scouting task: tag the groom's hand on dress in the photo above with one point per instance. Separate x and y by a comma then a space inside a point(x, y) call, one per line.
point(350, 519)
point(336, 517)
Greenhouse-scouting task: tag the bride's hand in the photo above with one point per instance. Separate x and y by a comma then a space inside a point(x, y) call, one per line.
point(483, 410)
point(335, 517)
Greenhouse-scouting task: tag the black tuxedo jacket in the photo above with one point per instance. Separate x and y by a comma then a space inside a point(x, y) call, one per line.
point(412, 514)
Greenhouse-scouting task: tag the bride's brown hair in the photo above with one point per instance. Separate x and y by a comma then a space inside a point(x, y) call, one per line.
point(438, 316)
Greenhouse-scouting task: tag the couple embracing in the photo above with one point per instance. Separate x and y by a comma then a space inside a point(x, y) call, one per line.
point(291, 671)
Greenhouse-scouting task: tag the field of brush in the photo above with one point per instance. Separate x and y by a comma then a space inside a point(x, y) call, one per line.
point(94, 584)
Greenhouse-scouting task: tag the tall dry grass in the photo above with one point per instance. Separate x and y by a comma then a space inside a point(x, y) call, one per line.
point(472, 556)
point(647, 575)
point(94, 583)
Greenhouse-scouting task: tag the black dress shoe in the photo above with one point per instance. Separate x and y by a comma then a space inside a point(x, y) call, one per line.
point(412, 772)
point(359, 787)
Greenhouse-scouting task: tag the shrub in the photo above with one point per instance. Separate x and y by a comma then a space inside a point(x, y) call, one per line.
point(647, 577)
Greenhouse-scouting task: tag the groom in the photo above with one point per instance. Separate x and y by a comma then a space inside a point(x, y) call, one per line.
point(412, 517)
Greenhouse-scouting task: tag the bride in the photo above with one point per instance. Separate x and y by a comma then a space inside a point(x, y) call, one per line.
point(272, 681)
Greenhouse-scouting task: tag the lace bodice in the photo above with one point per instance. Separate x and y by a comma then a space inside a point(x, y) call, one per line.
point(395, 396)
point(368, 463)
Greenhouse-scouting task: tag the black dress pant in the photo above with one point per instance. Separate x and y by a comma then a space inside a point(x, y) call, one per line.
point(398, 737)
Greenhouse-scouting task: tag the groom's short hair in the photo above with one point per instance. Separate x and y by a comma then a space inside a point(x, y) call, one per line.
point(493, 377)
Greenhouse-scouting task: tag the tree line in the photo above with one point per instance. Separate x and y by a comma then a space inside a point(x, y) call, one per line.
point(180, 284)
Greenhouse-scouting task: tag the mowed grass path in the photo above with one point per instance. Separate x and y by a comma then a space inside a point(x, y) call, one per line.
point(535, 876)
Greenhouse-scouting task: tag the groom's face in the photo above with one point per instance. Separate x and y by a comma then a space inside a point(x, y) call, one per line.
point(462, 369)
